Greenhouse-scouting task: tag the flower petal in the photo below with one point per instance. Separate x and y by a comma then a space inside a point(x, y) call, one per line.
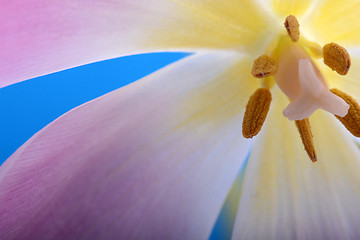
point(286, 196)
point(334, 21)
point(40, 37)
point(154, 159)
point(287, 7)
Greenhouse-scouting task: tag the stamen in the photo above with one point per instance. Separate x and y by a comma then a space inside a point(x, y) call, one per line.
point(256, 111)
point(337, 58)
point(304, 129)
point(352, 119)
point(267, 82)
point(293, 27)
point(264, 66)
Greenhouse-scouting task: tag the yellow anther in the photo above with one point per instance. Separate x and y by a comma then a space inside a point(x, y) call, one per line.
point(304, 129)
point(264, 66)
point(256, 111)
point(337, 58)
point(292, 27)
point(352, 119)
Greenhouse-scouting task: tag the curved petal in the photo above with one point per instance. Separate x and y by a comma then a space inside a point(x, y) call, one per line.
point(334, 21)
point(152, 160)
point(40, 37)
point(286, 196)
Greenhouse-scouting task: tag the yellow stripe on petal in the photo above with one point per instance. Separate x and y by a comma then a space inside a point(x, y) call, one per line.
point(233, 24)
point(285, 8)
point(335, 21)
point(224, 97)
point(286, 196)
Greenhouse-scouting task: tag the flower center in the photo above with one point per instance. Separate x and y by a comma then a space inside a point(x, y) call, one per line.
point(289, 64)
point(301, 81)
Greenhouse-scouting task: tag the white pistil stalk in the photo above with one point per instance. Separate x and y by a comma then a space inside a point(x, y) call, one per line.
point(287, 62)
point(300, 79)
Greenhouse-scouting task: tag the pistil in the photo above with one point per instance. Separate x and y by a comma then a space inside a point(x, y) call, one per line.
point(290, 65)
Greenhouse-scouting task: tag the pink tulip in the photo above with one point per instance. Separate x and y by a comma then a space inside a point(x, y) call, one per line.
point(156, 159)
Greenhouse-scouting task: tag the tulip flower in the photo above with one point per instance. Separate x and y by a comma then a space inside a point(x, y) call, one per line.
point(156, 159)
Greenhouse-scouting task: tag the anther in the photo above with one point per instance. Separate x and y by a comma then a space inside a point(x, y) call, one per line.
point(337, 58)
point(304, 129)
point(256, 111)
point(352, 119)
point(292, 27)
point(264, 66)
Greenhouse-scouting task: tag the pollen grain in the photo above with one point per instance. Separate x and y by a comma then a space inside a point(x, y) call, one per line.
point(304, 129)
point(256, 111)
point(337, 58)
point(264, 66)
point(292, 27)
point(352, 119)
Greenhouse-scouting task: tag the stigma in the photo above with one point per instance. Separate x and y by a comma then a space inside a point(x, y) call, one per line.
point(289, 63)
point(301, 81)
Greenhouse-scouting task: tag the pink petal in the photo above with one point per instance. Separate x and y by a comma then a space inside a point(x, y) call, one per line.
point(38, 37)
point(153, 160)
